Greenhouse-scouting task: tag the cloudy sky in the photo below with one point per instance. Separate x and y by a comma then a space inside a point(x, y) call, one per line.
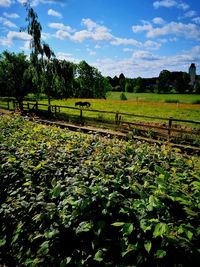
point(134, 37)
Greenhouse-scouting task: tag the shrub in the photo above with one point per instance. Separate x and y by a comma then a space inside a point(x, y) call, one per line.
point(70, 199)
point(123, 96)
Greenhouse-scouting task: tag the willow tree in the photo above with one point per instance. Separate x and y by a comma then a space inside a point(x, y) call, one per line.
point(41, 53)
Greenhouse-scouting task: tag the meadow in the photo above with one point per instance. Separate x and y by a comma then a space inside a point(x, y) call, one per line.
point(152, 107)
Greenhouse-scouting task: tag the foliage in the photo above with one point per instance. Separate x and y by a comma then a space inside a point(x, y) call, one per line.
point(91, 84)
point(123, 96)
point(15, 75)
point(70, 199)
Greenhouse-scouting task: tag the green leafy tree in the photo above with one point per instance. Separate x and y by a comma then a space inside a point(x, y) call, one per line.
point(91, 83)
point(122, 81)
point(15, 76)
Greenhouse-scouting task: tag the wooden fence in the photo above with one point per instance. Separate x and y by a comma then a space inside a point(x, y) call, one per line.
point(177, 130)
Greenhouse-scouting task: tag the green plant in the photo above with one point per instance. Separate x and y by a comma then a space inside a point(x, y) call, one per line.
point(71, 199)
point(123, 96)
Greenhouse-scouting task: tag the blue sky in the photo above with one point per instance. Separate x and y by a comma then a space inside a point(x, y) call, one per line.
point(137, 38)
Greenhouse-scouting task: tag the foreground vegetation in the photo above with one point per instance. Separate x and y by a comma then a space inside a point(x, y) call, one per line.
point(70, 199)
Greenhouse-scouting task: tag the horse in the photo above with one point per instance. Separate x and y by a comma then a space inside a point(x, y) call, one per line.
point(83, 104)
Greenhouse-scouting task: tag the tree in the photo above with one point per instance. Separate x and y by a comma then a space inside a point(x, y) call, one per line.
point(164, 82)
point(122, 81)
point(91, 83)
point(39, 50)
point(15, 76)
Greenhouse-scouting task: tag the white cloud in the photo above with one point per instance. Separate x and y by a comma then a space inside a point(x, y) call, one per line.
point(170, 3)
point(60, 34)
point(152, 45)
point(126, 49)
point(189, 31)
point(145, 27)
point(37, 2)
point(90, 24)
point(12, 35)
point(67, 56)
point(158, 20)
point(190, 14)
point(125, 41)
point(26, 46)
point(5, 3)
point(183, 6)
point(96, 32)
point(196, 20)
point(60, 26)
point(97, 46)
point(91, 52)
point(54, 13)
point(164, 3)
point(7, 23)
point(11, 15)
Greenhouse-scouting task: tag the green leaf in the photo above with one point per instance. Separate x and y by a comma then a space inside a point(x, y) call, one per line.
point(27, 183)
point(160, 253)
point(160, 229)
point(65, 262)
point(127, 228)
point(84, 227)
point(57, 190)
point(189, 234)
point(44, 248)
point(117, 224)
point(98, 256)
point(148, 246)
point(2, 242)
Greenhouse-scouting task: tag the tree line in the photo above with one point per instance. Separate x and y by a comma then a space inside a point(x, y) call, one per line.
point(167, 82)
point(56, 78)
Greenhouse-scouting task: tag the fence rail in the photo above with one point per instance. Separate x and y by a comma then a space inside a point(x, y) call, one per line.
point(166, 129)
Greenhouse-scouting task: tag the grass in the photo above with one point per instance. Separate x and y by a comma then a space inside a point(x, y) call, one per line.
point(165, 110)
point(149, 97)
point(164, 106)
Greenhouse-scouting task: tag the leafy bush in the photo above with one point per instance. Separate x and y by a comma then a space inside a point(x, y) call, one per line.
point(70, 199)
point(123, 96)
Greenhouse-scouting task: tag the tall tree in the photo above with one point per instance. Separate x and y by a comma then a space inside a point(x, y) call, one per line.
point(15, 76)
point(39, 49)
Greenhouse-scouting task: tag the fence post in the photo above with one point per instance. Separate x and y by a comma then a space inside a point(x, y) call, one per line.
point(81, 116)
point(28, 106)
point(36, 105)
point(169, 127)
point(55, 110)
point(117, 118)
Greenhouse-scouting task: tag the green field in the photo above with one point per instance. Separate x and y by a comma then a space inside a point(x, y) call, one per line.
point(165, 110)
point(140, 104)
point(148, 97)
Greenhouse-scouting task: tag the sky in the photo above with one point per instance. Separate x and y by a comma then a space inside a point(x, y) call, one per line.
point(138, 38)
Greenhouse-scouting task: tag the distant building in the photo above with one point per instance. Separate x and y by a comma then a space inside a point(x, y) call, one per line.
point(192, 73)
